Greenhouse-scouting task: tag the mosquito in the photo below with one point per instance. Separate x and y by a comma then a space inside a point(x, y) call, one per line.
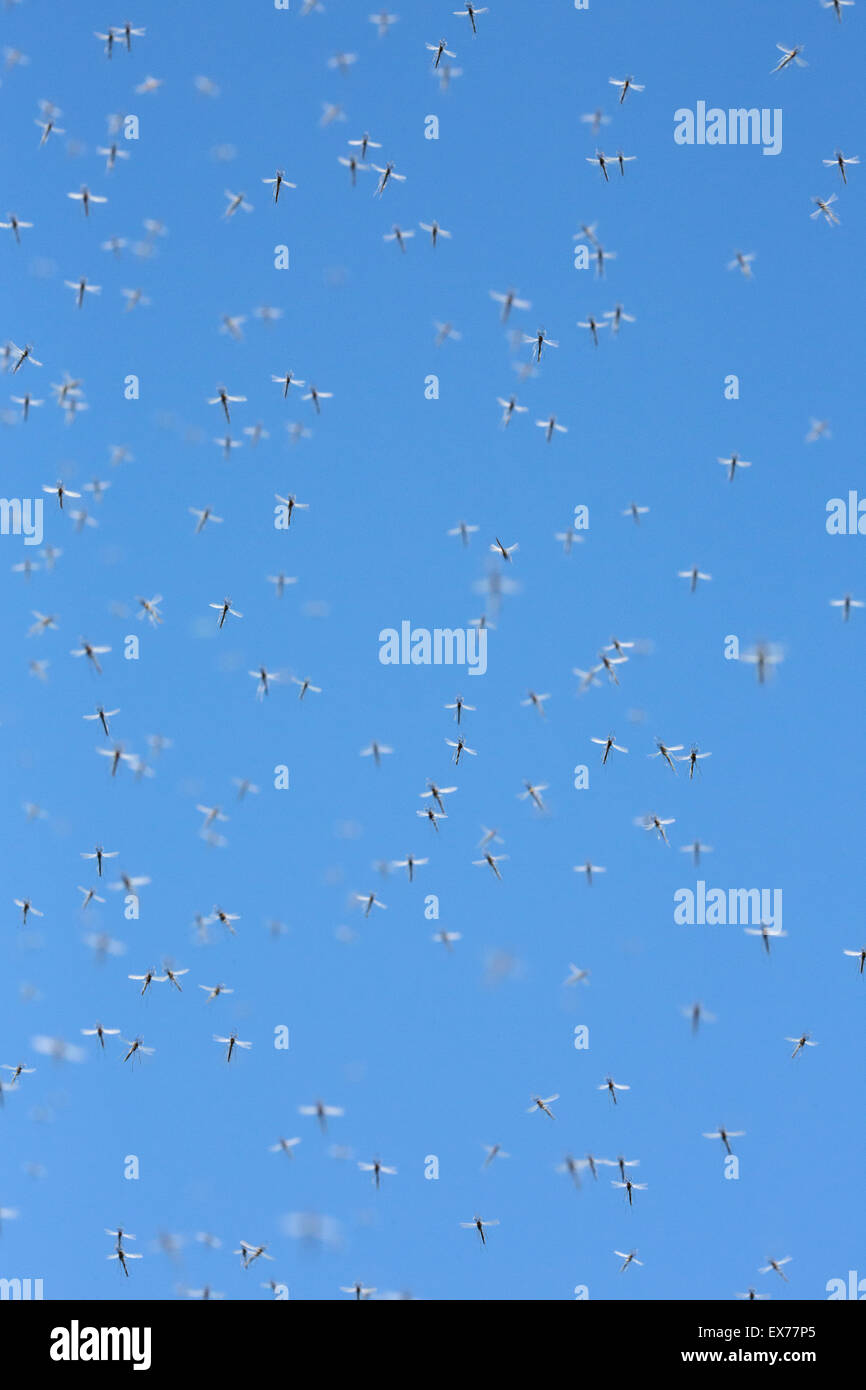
point(137, 1049)
point(622, 160)
point(509, 408)
point(693, 575)
point(249, 1253)
point(763, 658)
point(112, 154)
point(549, 426)
point(90, 895)
point(48, 128)
point(846, 604)
point(629, 1187)
point(223, 398)
point(461, 748)
point(101, 1033)
point(376, 751)
point(629, 1258)
point(542, 1104)
point(446, 937)
point(506, 551)
point(789, 55)
point(400, 236)
point(280, 581)
point(478, 1225)
point(509, 300)
point(409, 863)
point(587, 868)
point(322, 1113)
point(439, 49)
point(533, 793)
point(116, 754)
point(133, 298)
point(81, 288)
point(60, 491)
point(370, 901)
point(18, 1070)
point(587, 678)
point(539, 342)
point(463, 530)
point(822, 205)
point(571, 1166)
point(626, 85)
point(361, 1291)
point(26, 402)
point(388, 174)
point(732, 464)
point(696, 849)
point(42, 624)
point(593, 325)
point(617, 317)
point(149, 977)
point(664, 750)
point(230, 1043)
point(286, 1146)
point(150, 609)
point(232, 324)
point(460, 704)
point(653, 822)
point(569, 539)
point(123, 1255)
point(286, 380)
point(444, 331)
point(743, 263)
point(27, 910)
point(85, 198)
point(858, 955)
point(612, 1087)
point(225, 919)
point(836, 6)
point(377, 1169)
point(488, 836)
point(224, 609)
point(15, 225)
point(173, 975)
point(98, 853)
point(493, 1151)
point(765, 932)
point(695, 1013)
point(608, 663)
point(435, 232)
point(802, 1042)
point(607, 744)
point(214, 991)
point(24, 355)
point(818, 429)
point(776, 1265)
point(596, 119)
point(127, 33)
point(235, 201)
point(726, 1135)
point(493, 860)
point(537, 702)
point(265, 680)
point(693, 757)
point(279, 181)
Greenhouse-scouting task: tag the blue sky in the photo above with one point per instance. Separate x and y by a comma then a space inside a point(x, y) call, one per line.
point(431, 1053)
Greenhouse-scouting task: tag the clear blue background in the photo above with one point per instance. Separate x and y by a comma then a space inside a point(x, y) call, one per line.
point(432, 1054)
